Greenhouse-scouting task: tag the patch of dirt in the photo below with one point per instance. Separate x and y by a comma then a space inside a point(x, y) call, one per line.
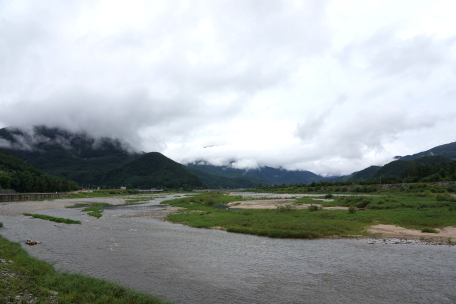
point(267, 204)
point(335, 208)
point(396, 231)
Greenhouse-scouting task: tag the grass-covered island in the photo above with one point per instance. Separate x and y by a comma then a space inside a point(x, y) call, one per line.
point(423, 207)
point(24, 279)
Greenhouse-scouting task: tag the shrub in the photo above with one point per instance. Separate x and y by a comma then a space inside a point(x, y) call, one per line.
point(329, 196)
point(445, 197)
point(352, 209)
point(1, 225)
point(313, 208)
point(366, 201)
point(286, 208)
point(430, 230)
point(344, 189)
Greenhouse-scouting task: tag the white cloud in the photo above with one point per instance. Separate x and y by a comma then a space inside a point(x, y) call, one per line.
point(326, 86)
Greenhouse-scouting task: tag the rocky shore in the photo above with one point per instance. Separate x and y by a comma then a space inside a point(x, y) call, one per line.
point(378, 240)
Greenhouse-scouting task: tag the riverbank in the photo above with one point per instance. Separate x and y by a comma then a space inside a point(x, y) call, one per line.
point(28, 280)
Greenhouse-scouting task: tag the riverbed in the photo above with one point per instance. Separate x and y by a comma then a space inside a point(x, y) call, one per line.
point(190, 265)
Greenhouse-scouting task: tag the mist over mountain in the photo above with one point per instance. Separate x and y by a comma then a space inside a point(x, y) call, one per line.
point(266, 175)
point(448, 150)
point(75, 156)
point(89, 160)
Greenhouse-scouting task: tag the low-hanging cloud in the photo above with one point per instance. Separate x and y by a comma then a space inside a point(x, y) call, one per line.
point(240, 83)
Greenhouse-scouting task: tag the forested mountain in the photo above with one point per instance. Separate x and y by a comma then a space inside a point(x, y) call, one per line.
point(448, 150)
point(17, 175)
point(151, 170)
point(265, 175)
point(367, 173)
point(75, 156)
point(111, 162)
point(397, 168)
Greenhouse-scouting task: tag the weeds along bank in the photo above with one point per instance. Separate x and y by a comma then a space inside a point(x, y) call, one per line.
point(359, 188)
point(409, 210)
point(28, 280)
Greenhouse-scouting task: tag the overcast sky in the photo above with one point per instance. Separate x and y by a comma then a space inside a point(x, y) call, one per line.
point(326, 86)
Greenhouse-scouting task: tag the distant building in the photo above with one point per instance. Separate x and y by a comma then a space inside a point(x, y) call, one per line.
point(123, 188)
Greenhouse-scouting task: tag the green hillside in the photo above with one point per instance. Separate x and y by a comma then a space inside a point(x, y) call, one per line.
point(74, 156)
point(397, 168)
point(17, 175)
point(151, 170)
point(367, 173)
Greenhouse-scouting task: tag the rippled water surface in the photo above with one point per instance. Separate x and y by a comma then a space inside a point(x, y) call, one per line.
point(189, 265)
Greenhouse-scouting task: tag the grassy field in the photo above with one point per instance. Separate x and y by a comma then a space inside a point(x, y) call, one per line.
point(408, 210)
point(32, 279)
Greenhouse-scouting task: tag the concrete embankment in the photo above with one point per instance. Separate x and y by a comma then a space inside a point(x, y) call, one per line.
point(13, 197)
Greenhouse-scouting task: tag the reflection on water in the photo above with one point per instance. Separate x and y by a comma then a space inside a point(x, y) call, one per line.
point(189, 265)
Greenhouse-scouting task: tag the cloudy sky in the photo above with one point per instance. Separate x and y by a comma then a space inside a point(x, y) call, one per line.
point(326, 86)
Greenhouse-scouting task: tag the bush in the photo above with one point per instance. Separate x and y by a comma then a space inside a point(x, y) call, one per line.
point(286, 208)
point(366, 201)
point(352, 209)
point(429, 230)
point(445, 197)
point(313, 208)
point(329, 196)
point(1, 225)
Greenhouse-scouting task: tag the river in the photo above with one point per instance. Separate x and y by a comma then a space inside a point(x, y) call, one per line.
point(190, 265)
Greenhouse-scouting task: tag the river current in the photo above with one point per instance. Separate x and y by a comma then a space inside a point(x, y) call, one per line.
point(190, 265)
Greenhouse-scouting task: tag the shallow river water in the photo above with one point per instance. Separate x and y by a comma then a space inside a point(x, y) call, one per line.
point(189, 265)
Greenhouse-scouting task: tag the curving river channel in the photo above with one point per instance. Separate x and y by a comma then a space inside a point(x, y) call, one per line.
point(189, 265)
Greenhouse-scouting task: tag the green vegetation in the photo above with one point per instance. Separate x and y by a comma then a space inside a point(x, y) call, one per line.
point(52, 219)
point(137, 200)
point(20, 176)
point(1, 225)
point(152, 170)
point(27, 275)
point(402, 209)
point(429, 230)
point(360, 187)
point(95, 209)
point(83, 158)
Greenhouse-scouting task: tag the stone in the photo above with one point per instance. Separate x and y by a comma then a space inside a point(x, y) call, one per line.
point(32, 242)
